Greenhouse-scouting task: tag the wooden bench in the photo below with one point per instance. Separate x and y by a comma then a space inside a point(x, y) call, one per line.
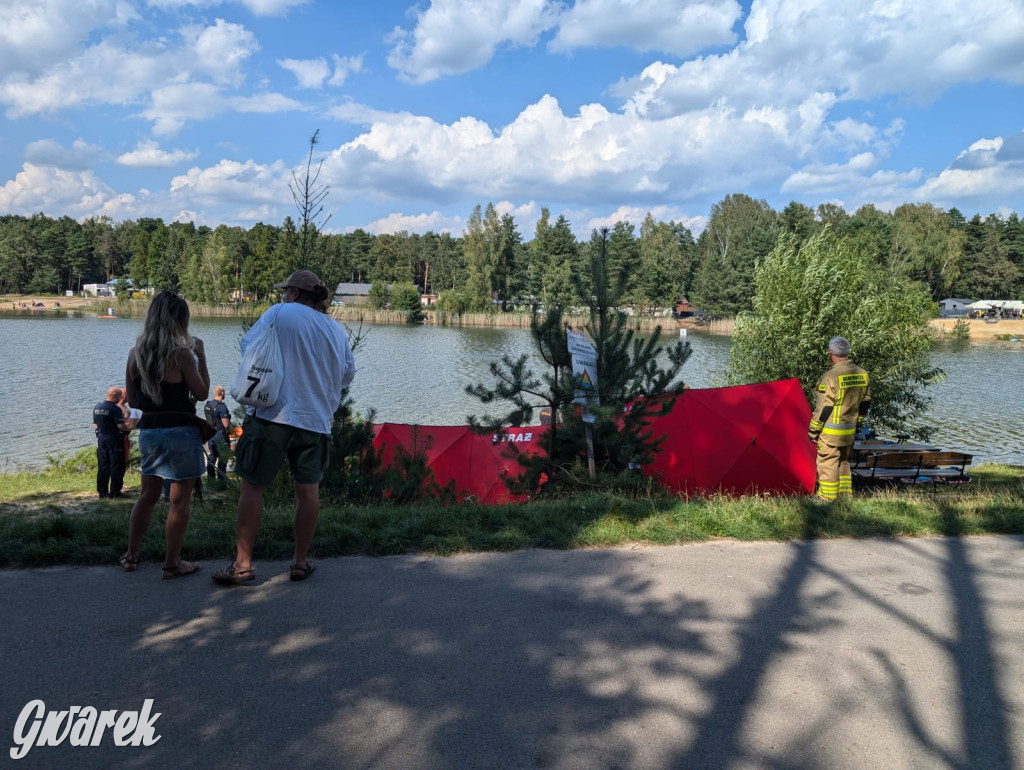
point(861, 449)
point(915, 466)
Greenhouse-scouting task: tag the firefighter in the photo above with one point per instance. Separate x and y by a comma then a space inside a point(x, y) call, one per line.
point(843, 399)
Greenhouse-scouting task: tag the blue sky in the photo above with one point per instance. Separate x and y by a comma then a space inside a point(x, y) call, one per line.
point(599, 109)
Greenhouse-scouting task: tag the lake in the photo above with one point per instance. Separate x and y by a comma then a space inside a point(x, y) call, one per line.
point(56, 367)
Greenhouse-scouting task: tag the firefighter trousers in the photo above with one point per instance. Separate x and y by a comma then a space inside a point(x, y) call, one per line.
point(834, 476)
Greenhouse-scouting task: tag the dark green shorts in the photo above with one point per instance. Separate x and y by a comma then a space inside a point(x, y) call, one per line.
point(264, 446)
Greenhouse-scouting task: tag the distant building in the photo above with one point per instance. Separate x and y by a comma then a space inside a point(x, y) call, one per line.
point(953, 307)
point(352, 292)
point(683, 309)
point(98, 289)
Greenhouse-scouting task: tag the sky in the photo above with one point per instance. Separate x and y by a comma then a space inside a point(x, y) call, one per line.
point(601, 110)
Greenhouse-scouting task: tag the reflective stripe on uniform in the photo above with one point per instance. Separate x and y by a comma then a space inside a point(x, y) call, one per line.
point(828, 489)
point(839, 428)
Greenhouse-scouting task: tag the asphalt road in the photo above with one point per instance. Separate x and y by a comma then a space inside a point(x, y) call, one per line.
point(838, 654)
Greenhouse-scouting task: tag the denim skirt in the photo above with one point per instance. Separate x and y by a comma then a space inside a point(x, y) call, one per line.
point(172, 453)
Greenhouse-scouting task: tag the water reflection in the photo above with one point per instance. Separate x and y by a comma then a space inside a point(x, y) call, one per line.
point(56, 368)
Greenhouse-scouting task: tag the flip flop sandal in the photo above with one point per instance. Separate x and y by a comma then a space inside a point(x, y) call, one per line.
point(302, 571)
point(181, 569)
point(128, 563)
point(233, 576)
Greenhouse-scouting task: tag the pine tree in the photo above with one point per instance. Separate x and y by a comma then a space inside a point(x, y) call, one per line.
point(637, 379)
point(309, 195)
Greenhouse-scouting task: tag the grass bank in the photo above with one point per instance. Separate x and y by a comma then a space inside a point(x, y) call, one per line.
point(54, 518)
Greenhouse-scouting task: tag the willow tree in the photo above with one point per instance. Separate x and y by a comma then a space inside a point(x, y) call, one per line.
point(808, 294)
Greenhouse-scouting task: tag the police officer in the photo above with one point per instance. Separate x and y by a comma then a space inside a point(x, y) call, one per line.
point(843, 399)
point(219, 417)
point(110, 426)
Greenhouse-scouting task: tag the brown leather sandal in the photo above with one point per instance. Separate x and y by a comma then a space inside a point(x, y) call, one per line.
point(233, 575)
point(128, 562)
point(302, 571)
point(181, 569)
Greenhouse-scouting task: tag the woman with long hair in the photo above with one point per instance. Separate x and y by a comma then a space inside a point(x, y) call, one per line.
point(166, 374)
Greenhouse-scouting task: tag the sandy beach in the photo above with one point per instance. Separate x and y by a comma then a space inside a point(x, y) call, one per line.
point(15, 301)
point(981, 331)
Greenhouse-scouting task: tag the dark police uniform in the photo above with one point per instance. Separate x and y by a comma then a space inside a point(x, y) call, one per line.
point(219, 412)
point(110, 459)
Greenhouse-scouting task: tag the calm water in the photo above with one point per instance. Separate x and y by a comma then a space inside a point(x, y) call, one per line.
point(54, 369)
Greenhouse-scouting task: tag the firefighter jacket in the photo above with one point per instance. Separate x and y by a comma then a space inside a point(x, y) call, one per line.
point(843, 398)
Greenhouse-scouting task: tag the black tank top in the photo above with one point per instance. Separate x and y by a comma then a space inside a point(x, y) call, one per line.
point(175, 395)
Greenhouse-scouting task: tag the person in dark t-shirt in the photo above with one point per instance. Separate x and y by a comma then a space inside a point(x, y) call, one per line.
point(109, 424)
point(217, 414)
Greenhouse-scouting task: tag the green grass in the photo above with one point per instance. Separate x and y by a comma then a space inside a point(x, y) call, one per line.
point(54, 518)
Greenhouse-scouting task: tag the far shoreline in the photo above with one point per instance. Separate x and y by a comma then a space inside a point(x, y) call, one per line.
point(981, 331)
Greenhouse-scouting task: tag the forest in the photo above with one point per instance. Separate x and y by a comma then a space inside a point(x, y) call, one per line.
point(492, 266)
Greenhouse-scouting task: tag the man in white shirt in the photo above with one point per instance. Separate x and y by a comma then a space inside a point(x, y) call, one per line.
point(318, 365)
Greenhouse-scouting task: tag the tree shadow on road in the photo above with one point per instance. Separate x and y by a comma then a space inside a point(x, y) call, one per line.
point(610, 658)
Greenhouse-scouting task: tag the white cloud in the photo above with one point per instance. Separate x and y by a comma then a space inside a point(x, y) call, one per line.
point(860, 177)
point(271, 7)
point(257, 7)
point(102, 74)
point(416, 223)
point(311, 73)
point(345, 66)
point(971, 178)
point(49, 152)
point(220, 50)
point(149, 155)
point(123, 72)
point(35, 34)
point(635, 215)
point(172, 106)
point(680, 27)
point(265, 103)
point(796, 47)
point(1012, 148)
point(454, 36)
point(234, 182)
point(522, 213)
point(988, 164)
point(796, 107)
point(594, 156)
point(353, 112)
point(59, 192)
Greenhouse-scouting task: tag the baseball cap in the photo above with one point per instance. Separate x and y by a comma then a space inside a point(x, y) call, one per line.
point(300, 279)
